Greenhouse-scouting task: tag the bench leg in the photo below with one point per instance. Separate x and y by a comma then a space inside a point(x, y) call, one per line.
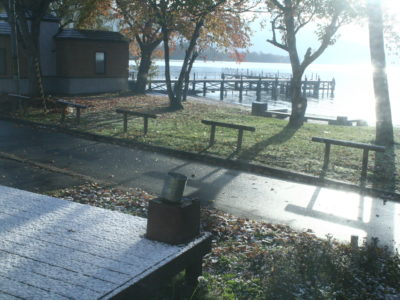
point(145, 125)
point(24, 108)
point(78, 115)
point(20, 106)
point(326, 157)
point(239, 141)
point(192, 273)
point(212, 135)
point(364, 166)
point(125, 122)
point(63, 115)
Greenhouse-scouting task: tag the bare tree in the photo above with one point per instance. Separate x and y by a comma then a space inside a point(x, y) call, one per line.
point(187, 18)
point(288, 18)
point(139, 23)
point(27, 21)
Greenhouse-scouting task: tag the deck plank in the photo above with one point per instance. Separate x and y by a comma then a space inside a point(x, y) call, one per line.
point(26, 291)
point(4, 296)
point(32, 266)
point(59, 287)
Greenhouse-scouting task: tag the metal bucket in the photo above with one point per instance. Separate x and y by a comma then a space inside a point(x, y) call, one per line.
point(174, 187)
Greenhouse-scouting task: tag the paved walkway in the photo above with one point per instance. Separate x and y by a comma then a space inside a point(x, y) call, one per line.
point(323, 210)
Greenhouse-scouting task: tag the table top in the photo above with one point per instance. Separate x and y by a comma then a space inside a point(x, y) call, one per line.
point(57, 249)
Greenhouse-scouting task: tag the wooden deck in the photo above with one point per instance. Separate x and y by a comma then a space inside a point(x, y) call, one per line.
point(56, 249)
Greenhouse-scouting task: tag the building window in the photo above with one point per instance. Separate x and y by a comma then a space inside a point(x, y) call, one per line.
point(3, 61)
point(100, 62)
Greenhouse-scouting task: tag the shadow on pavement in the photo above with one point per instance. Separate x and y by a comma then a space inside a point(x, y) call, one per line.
point(17, 175)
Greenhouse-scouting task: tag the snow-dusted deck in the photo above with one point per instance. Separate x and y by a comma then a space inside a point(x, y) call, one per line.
point(55, 249)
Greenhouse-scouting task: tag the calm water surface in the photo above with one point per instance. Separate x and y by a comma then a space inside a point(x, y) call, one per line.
point(354, 95)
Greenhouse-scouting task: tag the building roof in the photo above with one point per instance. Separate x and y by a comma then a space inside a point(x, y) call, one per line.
point(94, 35)
point(5, 28)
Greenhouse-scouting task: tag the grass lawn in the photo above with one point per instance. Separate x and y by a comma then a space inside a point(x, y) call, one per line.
point(271, 144)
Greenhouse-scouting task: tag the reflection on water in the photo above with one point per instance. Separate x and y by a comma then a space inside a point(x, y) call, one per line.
point(354, 95)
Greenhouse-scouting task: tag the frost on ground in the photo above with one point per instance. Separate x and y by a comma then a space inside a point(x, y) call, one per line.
point(259, 260)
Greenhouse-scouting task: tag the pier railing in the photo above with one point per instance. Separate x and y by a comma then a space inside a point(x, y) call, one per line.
point(274, 87)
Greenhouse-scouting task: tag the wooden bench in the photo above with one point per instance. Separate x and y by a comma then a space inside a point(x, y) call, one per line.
point(22, 100)
point(366, 148)
point(145, 117)
point(283, 114)
point(66, 104)
point(240, 129)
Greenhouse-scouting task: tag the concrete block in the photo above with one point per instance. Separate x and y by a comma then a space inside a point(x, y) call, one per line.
point(258, 108)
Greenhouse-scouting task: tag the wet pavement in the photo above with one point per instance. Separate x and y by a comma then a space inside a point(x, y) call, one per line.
point(29, 178)
point(324, 211)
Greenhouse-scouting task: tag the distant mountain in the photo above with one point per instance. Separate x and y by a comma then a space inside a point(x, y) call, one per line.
point(213, 54)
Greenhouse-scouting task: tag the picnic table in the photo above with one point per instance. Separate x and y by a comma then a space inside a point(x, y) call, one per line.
point(56, 249)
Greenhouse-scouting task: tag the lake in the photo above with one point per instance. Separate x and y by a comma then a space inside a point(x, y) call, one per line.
point(354, 95)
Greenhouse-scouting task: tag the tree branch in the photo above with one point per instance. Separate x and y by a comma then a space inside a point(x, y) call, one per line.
point(326, 40)
point(279, 45)
point(274, 40)
point(278, 4)
point(302, 24)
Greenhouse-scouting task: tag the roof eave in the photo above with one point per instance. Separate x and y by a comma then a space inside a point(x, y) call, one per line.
point(90, 40)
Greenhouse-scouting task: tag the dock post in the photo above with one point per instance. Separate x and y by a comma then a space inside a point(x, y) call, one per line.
point(333, 84)
point(194, 83)
point(241, 89)
point(204, 87)
point(304, 85)
point(316, 88)
point(236, 83)
point(282, 88)
point(287, 89)
point(258, 93)
point(221, 92)
point(275, 89)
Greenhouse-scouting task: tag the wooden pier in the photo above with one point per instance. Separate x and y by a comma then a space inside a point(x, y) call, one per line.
point(271, 86)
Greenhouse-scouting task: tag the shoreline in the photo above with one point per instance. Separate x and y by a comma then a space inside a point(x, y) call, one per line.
point(354, 96)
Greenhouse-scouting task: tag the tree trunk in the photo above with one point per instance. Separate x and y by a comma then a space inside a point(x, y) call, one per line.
point(187, 77)
point(35, 69)
point(144, 67)
point(14, 46)
point(185, 70)
point(173, 102)
point(384, 127)
point(30, 37)
point(299, 103)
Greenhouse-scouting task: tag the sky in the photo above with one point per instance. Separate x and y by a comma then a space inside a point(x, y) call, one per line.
point(352, 46)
